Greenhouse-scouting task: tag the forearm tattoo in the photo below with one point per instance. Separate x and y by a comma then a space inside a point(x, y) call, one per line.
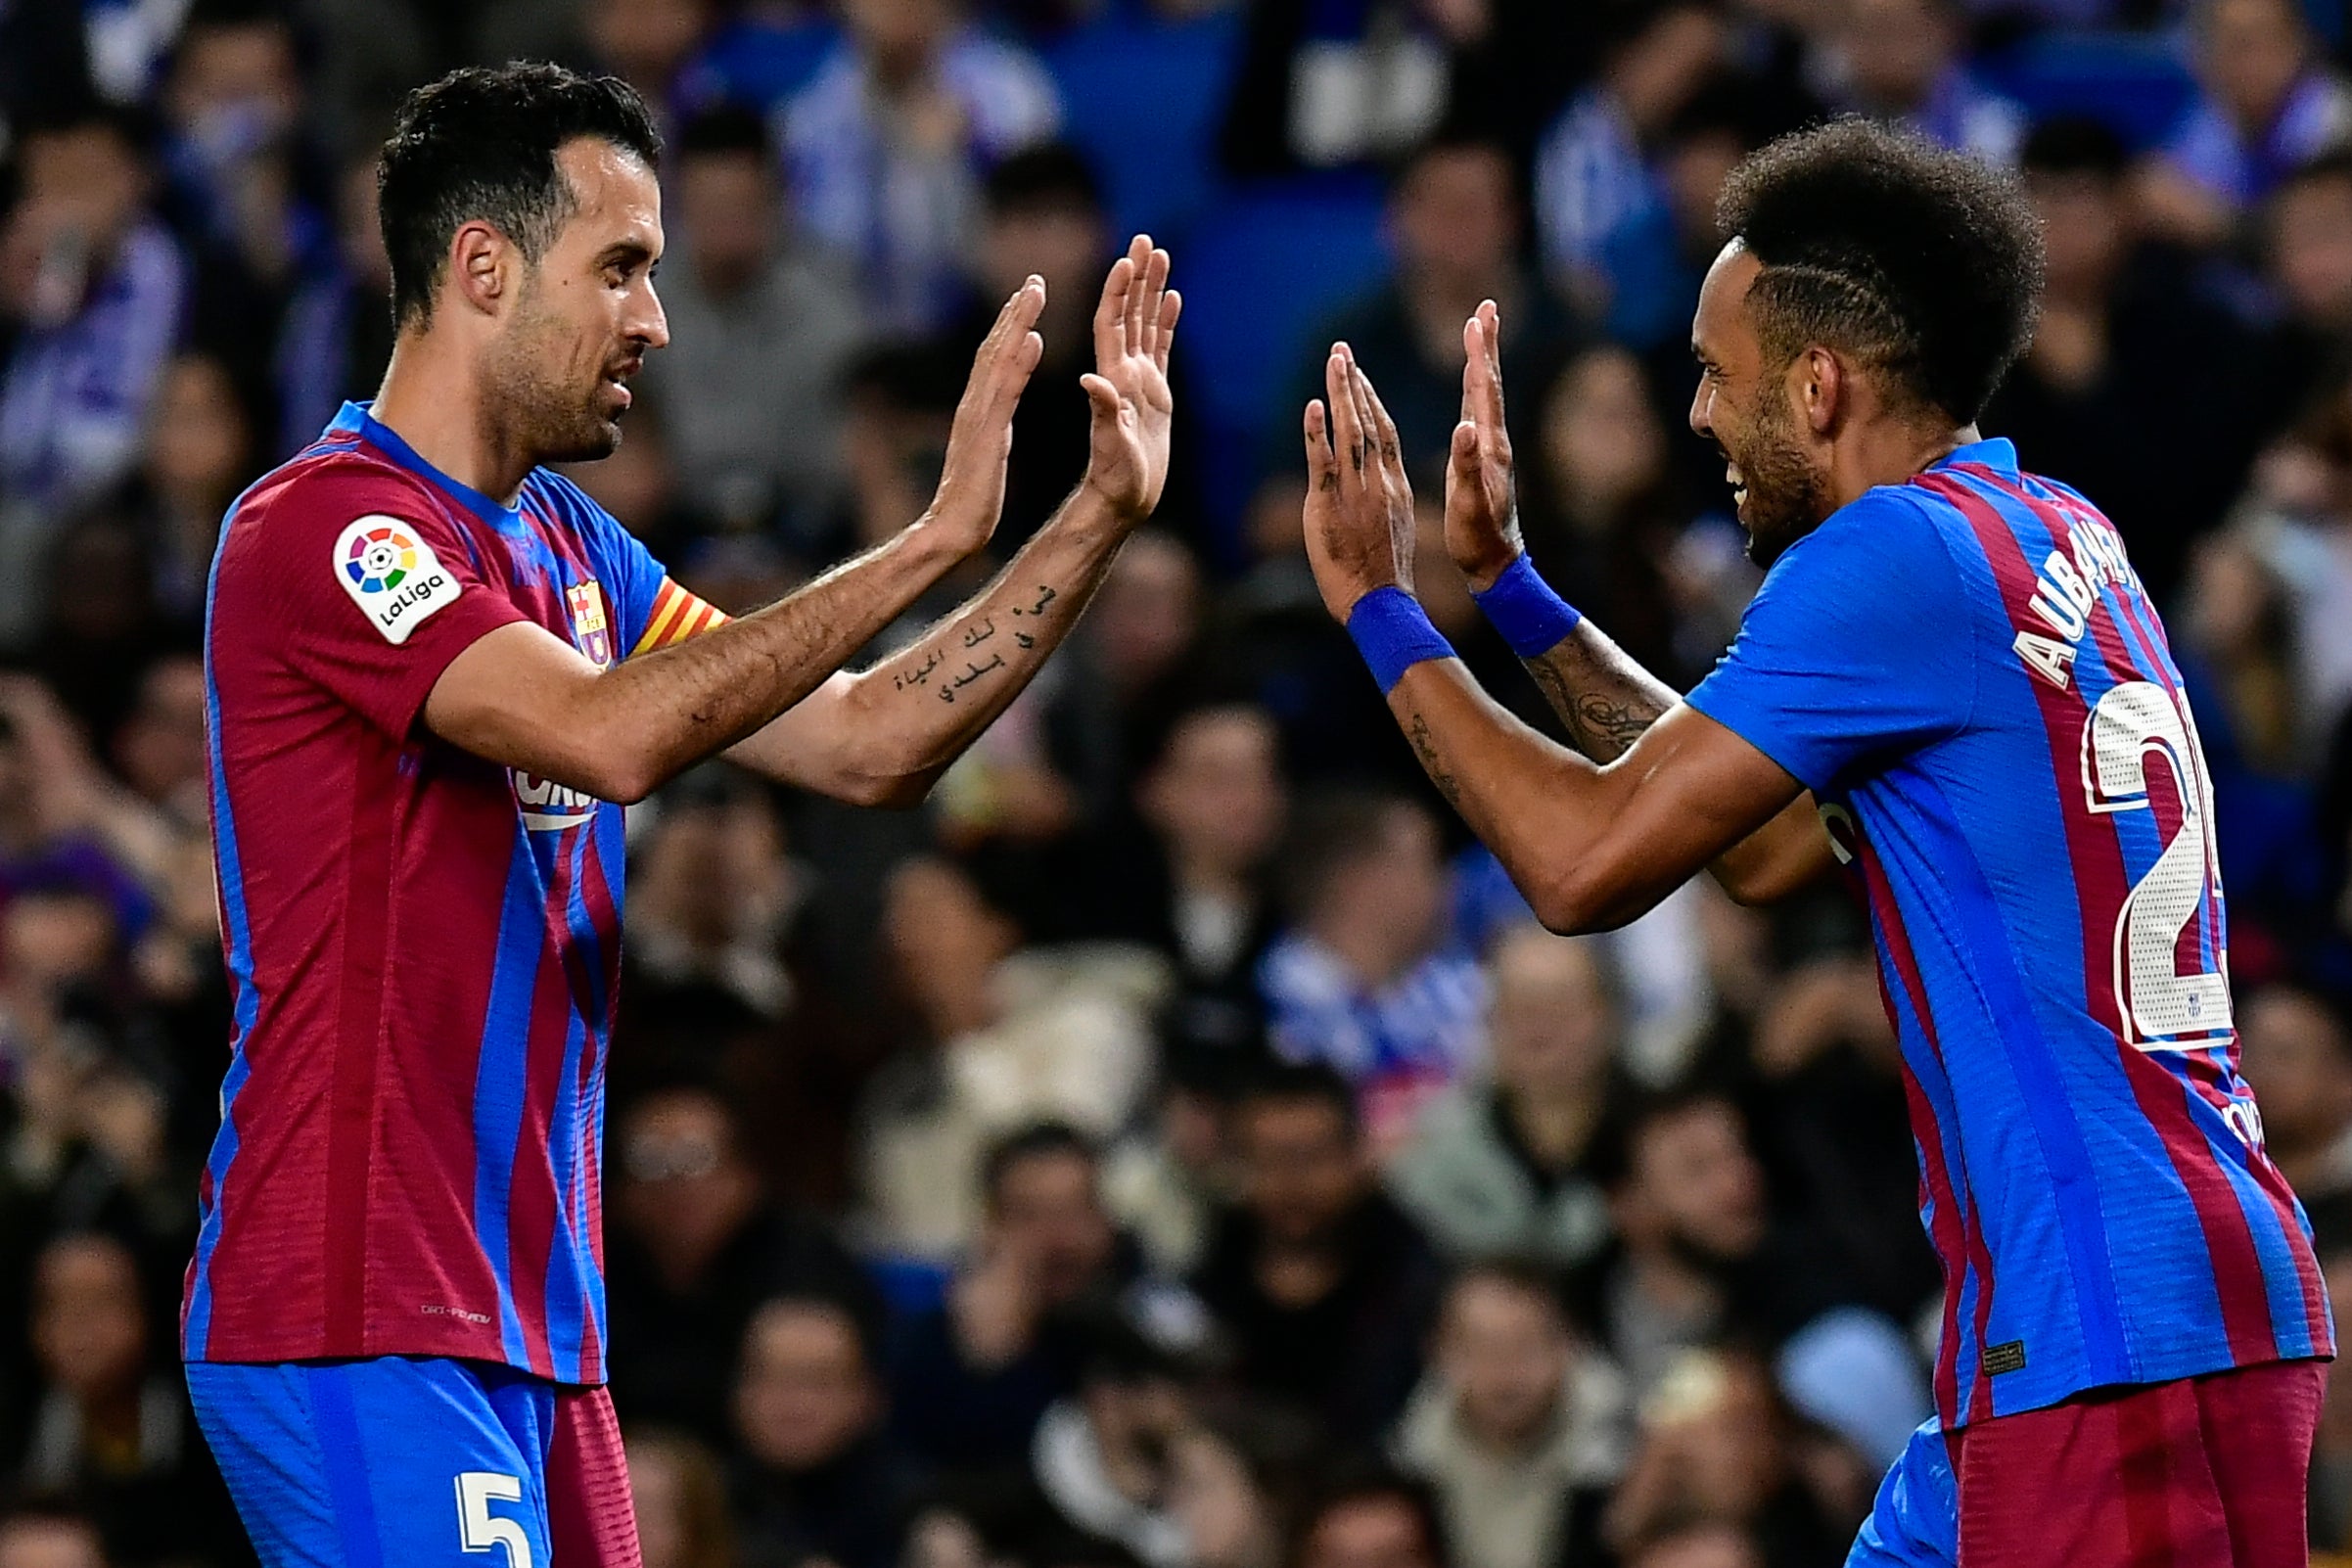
point(1603, 698)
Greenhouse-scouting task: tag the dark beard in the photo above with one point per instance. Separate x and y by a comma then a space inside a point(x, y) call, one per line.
point(1784, 492)
point(550, 422)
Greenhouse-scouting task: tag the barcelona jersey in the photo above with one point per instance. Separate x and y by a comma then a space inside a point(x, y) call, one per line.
point(422, 945)
point(1967, 673)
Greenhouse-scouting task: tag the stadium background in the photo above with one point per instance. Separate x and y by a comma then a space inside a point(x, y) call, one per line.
point(958, 1213)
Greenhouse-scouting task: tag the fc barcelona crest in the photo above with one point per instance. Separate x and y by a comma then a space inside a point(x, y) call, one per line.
point(588, 629)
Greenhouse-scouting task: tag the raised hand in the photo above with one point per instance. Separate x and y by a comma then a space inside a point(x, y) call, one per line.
point(1481, 507)
point(1126, 461)
point(1359, 513)
point(970, 497)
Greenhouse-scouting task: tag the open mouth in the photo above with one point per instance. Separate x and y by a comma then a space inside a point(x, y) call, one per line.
point(1740, 485)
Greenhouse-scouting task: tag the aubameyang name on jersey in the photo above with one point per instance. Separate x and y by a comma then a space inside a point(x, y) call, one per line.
point(2065, 593)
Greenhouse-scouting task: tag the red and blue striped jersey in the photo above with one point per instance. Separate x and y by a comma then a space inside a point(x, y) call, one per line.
point(1965, 672)
point(422, 945)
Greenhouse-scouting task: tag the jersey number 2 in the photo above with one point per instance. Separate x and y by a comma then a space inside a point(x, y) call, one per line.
point(479, 1529)
point(2160, 1007)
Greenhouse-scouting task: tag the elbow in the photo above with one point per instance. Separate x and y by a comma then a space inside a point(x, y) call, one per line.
point(899, 789)
point(1575, 901)
point(625, 784)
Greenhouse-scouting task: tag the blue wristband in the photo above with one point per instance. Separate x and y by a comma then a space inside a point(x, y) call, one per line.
point(1393, 633)
point(1522, 608)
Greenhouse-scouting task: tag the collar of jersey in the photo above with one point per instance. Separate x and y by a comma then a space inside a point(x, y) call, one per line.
point(355, 419)
point(1997, 454)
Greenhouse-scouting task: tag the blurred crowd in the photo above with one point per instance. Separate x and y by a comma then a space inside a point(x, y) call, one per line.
point(1174, 1146)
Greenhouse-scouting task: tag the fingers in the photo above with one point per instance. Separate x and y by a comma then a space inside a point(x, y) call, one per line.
point(1151, 268)
point(1110, 311)
point(1172, 306)
point(1101, 397)
point(1486, 352)
point(1323, 472)
point(1392, 450)
point(1001, 369)
point(1347, 417)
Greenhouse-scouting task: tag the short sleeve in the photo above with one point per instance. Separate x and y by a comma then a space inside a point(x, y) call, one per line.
point(1858, 648)
point(364, 584)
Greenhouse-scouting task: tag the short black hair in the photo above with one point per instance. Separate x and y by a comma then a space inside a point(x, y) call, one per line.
point(1923, 262)
point(1332, 831)
point(1611, 1159)
point(1054, 177)
point(480, 143)
point(726, 129)
point(1280, 1083)
point(1358, 1478)
point(1038, 1140)
point(2074, 144)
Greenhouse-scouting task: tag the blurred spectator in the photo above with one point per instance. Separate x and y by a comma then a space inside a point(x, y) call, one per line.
point(1102, 1458)
point(647, 43)
point(1324, 1287)
point(2266, 102)
point(973, 1377)
point(1699, 1546)
point(1376, 1519)
point(1502, 1163)
point(1457, 221)
point(1699, 1254)
point(714, 892)
point(114, 1425)
point(1321, 87)
point(1232, 1481)
point(1834, 1131)
point(1187, 875)
point(1012, 1035)
point(888, 145)
point(1716, 1449)
point(818, 1478)
point(202, 450)
point(1592, 178)
point(696, 1248)
point(1042, 213)
point(91, 290)
point(1903, 59)
point(2297, 1055)
point(1369, 980)
point(233, 106)
point(49, 1534)
point(1166, 1181)
point(761, 330)
point(2089, 400)
point(336, 336)
point(681, 1501)
point(1521, 1431)
point(2307, 237)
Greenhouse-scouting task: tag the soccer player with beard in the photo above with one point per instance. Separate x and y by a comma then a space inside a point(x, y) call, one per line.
point(435, 671)
point(1951, 682)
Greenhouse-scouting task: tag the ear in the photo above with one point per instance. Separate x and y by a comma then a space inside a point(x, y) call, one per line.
point(481, 267)
point(1819, 384)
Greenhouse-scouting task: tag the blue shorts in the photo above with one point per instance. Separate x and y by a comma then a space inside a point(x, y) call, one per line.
point(1915, 1521)
point(407, 1461)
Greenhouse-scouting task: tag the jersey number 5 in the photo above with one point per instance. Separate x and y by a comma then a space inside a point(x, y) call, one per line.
point(479, 1529)
point(2158, 1006)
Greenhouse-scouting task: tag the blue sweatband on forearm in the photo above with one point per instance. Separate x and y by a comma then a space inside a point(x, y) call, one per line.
point(1393, 633)
point(1522, 608)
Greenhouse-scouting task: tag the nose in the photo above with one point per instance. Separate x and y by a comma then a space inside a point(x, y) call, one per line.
point(652, 325)
point(1701, 417)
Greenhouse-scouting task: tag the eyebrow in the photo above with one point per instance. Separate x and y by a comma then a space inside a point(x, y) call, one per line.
point(624, 251)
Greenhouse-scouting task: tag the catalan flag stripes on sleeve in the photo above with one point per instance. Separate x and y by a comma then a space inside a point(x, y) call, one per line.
point(676, 615)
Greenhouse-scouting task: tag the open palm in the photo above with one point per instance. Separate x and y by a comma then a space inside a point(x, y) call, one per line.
point(1134, 324)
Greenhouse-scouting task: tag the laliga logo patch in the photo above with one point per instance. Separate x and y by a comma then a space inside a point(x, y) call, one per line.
point(392, 575)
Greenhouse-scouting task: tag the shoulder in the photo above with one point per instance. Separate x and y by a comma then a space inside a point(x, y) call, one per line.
point(1007, 88)
point(319, 495)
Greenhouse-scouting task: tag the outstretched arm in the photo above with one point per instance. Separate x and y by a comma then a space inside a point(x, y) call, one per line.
point(883, 737)
point(1603, 697)
point(1590, 845)
point(521, 696)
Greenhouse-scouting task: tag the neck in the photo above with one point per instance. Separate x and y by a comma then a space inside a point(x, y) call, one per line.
point(433, 399)
point(1888, 452)
point(1555, 1127)
point(1200, 873)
